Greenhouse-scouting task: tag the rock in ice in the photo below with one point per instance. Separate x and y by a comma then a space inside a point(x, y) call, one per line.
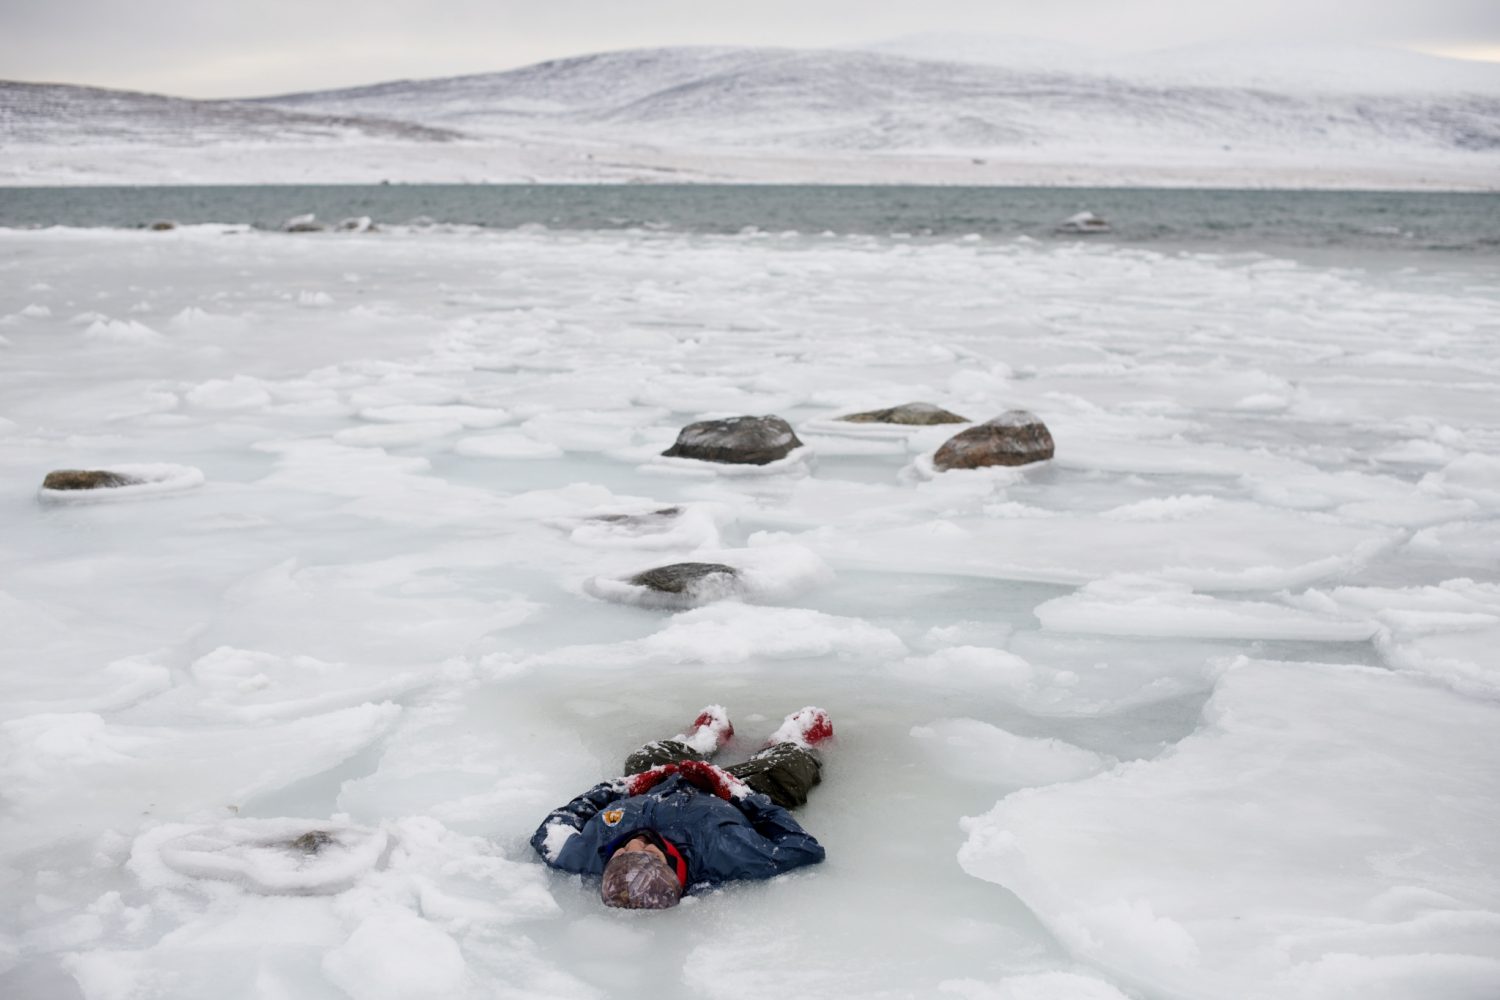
point(736, 441)
point(117, 482)
point(1083, 223)
point(1016, 437)
point(914, 414)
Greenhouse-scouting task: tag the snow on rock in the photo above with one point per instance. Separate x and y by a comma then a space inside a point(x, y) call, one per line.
point(978, 751)
point(1288, 805)
point(764, 573)
point(1141, 606)
point(653, 526)
point(736, 441)
point(137, 480)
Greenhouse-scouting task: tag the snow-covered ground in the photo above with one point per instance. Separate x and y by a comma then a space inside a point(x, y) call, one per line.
point(1262, 118)
point(1204, 708)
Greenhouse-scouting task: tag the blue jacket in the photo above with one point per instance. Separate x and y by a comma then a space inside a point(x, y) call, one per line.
point(751, 837)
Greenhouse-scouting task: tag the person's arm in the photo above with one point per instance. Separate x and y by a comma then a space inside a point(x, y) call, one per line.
point(773, 842)
point(558, 841)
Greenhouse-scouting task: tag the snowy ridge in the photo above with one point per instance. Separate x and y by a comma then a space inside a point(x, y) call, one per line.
point(59, 113)
point(1287, 67)
point(796, 115)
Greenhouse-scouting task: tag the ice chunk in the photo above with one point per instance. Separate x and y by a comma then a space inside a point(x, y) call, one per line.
point(394, 954)
point(265, 855)
point(1278, 803)
point(978, 751)
point(78, 767)
point(239, 393)
point(1448, 632)
point(395, 435)
point(1035, 986)
point(470, 417)
point(1141, 606)
point(123, 331)
point(506, 444)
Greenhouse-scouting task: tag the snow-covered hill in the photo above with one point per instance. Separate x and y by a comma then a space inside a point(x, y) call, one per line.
point(777, 115)
point(57, 113)
point(1287, 67)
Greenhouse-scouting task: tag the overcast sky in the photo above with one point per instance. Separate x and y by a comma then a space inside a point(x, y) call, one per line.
point(215, 48)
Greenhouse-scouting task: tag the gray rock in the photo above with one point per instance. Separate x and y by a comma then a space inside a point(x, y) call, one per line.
point(915, 414)
point(313, 841)
point(664, 514)
point(1016, 437)
point(1083, 223)
point(736, 441)
point(303, 224)
point(682, 578)
point(85, 479)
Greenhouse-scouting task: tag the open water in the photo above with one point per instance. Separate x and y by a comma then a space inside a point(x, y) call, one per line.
point(1449, 223)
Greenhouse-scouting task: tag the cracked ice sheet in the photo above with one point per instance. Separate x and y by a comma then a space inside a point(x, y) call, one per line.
point(1206, 422)
point(1293, 805)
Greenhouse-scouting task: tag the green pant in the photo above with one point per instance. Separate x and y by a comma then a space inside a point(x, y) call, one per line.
point(786, 772)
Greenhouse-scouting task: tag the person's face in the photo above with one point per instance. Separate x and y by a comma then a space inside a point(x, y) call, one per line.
point(643, 845)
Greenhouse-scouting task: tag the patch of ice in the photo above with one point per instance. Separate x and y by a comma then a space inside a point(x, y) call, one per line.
point(470, 417)
point(1140, 606)
point(977, 751)
point(269, 856)
point(123, 331)
point(1034, 986)
point(396, 435)
point(506, 445)
point(1275, 801)
point(242, 392)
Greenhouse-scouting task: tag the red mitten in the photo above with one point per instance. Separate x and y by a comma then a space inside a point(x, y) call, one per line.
point(712, 779)
point(640, 784)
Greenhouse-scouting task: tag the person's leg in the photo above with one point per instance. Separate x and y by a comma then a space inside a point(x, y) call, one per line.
point(786, 772)
point(659, 752)
point(789, 767)
point(703, 739)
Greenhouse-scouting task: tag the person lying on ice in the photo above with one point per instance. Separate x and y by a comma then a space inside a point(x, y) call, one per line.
point(675, 820)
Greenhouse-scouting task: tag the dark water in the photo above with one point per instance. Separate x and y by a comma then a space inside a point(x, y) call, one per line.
point(1443, 223)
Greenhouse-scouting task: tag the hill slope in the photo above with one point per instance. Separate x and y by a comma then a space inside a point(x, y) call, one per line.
point(785, 114)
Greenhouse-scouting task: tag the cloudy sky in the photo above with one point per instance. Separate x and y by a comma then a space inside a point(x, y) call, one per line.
point(204, 48)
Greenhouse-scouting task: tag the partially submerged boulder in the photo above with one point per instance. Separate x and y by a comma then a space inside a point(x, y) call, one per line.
point(313, 841)
point(1083, 223)
point(86, 479)
point(685, 577)
point(118, 482)
point(663, 514)
point(307, 223)
point(736, 441)
point(1016, 437)
point(914, 414)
